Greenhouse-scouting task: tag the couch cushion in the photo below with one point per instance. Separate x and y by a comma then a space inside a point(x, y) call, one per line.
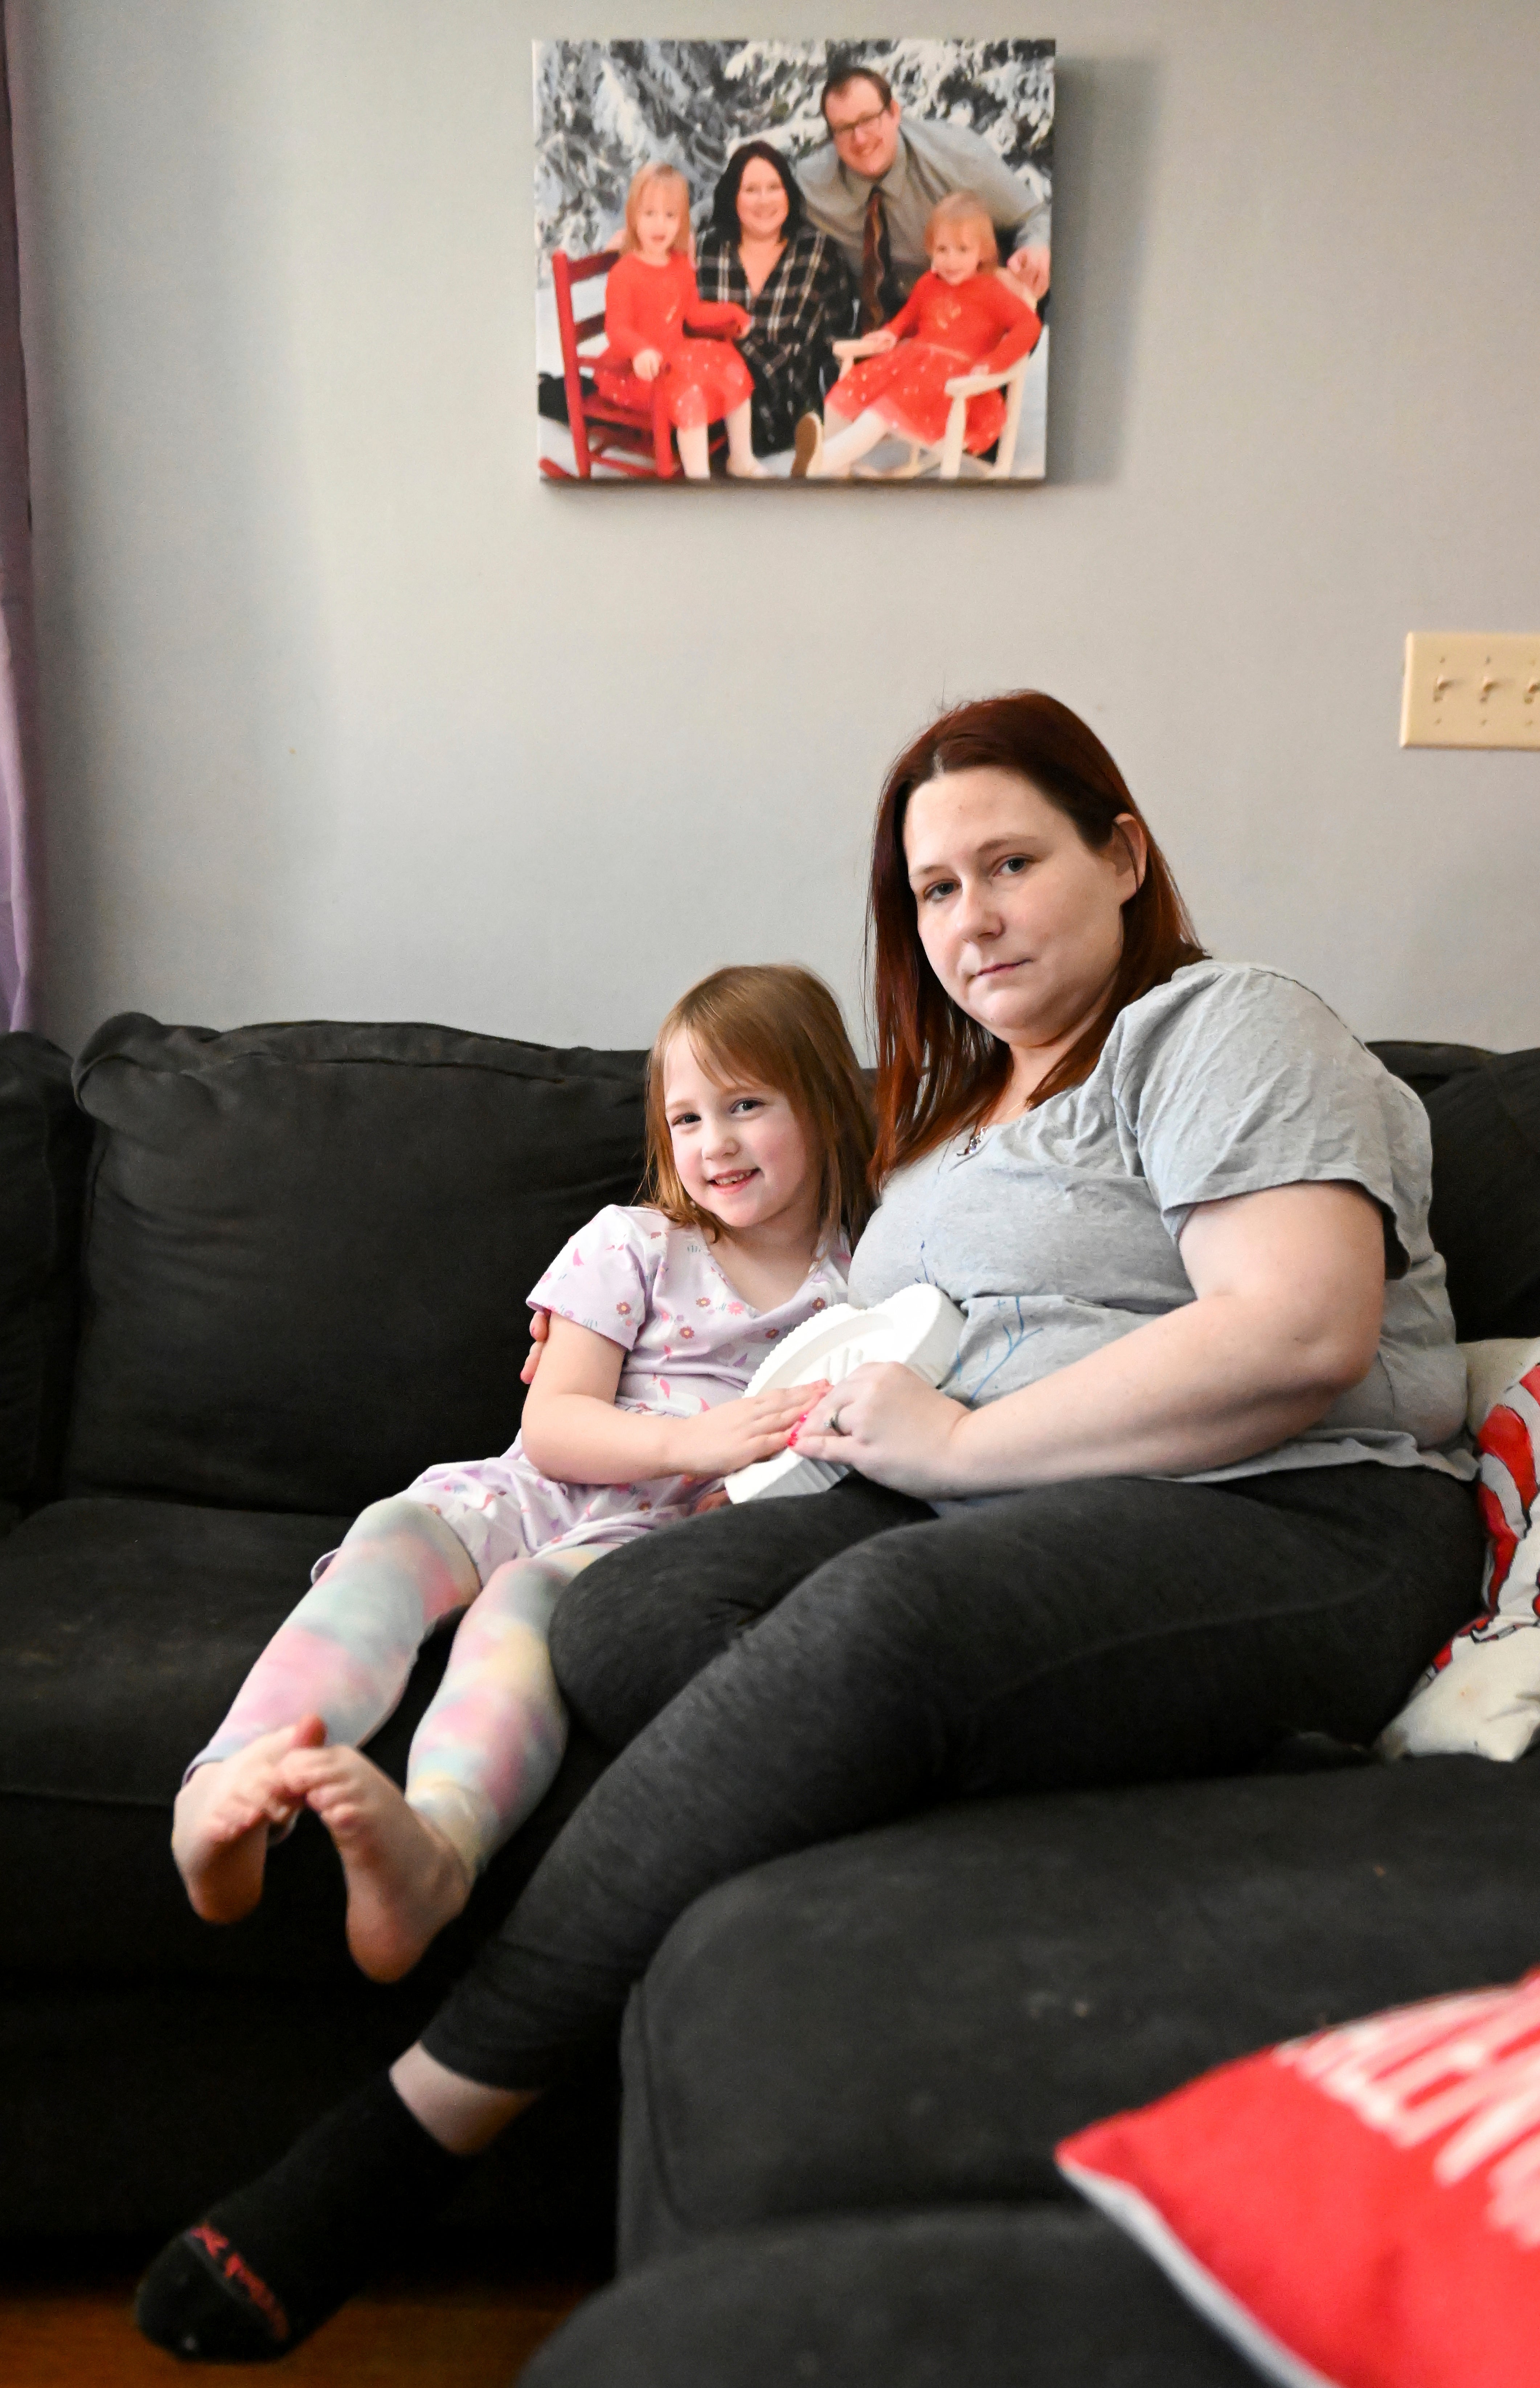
point(995, 2297)
point(125, 1628)
point(43, 1143)
point(1485, 1217)
point(308, 1249)
point(130, 2106)
point(915, 2017)
point(1485, 1112)
point(1424, 1068)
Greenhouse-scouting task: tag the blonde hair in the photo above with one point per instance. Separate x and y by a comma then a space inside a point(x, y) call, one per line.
point(960, 208)
point(656, 172)
point(781, 1027)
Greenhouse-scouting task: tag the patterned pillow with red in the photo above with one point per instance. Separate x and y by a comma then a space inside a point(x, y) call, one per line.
point(1360, 2209)
point(1481, 1697)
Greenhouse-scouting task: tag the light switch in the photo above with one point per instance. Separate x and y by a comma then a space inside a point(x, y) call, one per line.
point(1464, 690)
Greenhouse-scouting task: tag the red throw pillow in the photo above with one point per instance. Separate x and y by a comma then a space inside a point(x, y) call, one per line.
point(1481, 1694)
point(1359, 2209)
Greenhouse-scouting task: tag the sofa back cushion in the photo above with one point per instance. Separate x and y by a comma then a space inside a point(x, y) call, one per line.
point(1485, 1112)
point(307, 1248)
point(1425, 1068)
point(1485, 1217)
point(44, 1142)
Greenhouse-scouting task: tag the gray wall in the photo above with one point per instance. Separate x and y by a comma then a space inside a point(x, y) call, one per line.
point(346, 714)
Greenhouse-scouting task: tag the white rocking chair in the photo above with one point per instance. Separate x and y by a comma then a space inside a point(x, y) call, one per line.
point(947, 459)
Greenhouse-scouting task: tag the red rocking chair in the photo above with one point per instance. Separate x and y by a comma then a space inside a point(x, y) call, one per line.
point(634, 439)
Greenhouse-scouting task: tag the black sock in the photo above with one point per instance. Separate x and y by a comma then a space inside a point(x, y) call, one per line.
point(272, 2263)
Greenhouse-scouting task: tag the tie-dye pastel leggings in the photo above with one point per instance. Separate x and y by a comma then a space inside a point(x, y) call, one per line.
point(486, 1751)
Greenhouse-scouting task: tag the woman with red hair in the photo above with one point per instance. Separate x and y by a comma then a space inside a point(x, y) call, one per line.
point(1198, 1480)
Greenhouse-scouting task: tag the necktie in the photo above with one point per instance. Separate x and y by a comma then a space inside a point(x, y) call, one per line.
point(876, 263)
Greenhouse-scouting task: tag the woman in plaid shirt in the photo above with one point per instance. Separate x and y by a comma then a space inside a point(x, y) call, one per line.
point(760, 252)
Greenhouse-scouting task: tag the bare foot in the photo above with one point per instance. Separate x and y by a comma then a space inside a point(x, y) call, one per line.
point(223, 1818)
point(404, 1881)
point(751, 471)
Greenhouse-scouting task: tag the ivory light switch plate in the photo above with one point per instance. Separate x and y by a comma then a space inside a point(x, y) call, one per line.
point(1464, 690)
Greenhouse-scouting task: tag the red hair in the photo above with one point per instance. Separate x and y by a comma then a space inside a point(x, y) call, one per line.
point(938, 1072)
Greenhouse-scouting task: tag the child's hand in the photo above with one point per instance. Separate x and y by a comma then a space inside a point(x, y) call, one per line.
point(648, 363)
point(878, 343)
point(720, 1442)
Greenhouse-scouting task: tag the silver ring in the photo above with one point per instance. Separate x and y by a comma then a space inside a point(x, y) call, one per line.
point(834, 1426)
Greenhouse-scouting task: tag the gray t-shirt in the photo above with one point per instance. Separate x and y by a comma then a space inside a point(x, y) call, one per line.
point(1058, 1232)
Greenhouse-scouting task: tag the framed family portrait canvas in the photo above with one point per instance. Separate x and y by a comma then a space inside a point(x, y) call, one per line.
point(793, 263)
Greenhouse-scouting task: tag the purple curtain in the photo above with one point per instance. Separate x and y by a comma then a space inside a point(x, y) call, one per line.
point(19, 731)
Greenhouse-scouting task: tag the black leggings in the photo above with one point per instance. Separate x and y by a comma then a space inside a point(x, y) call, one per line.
point(787, 1672)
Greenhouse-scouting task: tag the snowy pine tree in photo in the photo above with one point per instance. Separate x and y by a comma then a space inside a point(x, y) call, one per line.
point(604, 108)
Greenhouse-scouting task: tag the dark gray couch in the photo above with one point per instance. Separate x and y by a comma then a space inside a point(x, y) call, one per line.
point(251, 1281)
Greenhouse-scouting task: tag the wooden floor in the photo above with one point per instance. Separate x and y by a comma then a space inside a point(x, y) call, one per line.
point(69, 2327)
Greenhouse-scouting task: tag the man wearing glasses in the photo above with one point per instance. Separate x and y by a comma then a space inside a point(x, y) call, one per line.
point(873, 188)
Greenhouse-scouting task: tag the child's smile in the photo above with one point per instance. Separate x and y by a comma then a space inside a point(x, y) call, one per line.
point(739, 1148)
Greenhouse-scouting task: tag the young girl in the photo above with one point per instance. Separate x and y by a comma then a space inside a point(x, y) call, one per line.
point(758, 1140)
point(961, 317)
point(650, 307)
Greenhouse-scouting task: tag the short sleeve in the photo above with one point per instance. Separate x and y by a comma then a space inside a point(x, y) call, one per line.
point(601, 1279)
point(1241, 1080)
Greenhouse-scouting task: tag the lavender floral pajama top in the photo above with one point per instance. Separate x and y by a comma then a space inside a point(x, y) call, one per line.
point(691, 1342)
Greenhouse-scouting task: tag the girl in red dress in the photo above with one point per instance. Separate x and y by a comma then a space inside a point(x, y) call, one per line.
point(961, 317)
point(651, 306)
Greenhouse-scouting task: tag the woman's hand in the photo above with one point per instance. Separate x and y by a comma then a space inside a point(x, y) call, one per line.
point(648, 363)
point(893, 1427)
point(720, 1442)
point(1290, 1287)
